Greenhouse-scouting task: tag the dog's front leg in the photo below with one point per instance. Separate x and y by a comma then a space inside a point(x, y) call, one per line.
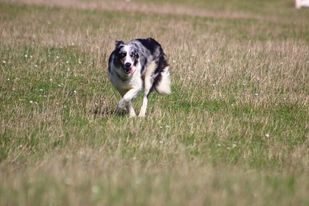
point(142, 113)
point(126, 101)
point(148, 81)
point(148, 84)
point(130, 109)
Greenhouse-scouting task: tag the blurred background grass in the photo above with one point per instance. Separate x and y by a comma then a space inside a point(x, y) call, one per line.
point(233, 132)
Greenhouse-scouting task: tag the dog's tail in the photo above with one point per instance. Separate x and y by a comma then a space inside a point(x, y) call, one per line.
point(164, 85)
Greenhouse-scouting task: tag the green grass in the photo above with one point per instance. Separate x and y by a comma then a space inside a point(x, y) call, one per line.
point(234, 131)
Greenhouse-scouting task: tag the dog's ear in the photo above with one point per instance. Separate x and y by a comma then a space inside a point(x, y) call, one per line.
point(118, 43)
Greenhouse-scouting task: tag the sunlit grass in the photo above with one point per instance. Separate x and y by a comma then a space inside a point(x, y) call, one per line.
point(234, 131)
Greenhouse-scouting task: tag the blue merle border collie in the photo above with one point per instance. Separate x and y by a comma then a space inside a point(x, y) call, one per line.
point(139, 64)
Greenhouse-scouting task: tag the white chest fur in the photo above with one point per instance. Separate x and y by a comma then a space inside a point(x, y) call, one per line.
point(125, 83)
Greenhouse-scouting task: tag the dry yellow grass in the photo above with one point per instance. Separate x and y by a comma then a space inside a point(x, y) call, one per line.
point(233, 132)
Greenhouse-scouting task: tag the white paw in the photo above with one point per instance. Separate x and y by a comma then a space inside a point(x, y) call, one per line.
point(141, 115)
point(121, 104)
point(131, 115)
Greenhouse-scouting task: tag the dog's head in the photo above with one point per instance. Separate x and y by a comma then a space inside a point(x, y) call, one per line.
point(126, 57)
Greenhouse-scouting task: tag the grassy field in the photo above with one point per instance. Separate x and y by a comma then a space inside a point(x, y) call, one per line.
point(234, 131)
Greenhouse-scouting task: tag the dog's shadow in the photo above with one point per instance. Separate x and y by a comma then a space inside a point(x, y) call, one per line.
point(105, 111)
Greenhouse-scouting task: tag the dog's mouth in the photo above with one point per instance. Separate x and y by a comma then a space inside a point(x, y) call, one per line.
point(128, 70)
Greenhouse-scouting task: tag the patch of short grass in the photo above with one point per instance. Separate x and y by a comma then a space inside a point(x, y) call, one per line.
point(234, 130)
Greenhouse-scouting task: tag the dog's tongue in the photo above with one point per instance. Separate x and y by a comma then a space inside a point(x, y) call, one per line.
point(130, 71)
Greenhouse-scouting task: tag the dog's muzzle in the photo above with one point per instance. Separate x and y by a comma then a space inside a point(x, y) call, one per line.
point(127, 68)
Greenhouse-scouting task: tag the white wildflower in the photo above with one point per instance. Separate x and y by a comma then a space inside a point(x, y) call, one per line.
point(95, 189)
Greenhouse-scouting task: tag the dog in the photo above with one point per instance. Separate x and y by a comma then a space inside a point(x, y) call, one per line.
point(301, 3)
point(137, 65)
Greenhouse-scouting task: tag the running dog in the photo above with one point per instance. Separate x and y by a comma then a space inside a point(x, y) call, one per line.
point(139, 64)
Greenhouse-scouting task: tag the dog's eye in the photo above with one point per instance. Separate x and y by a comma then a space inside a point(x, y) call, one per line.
point(134, 54)
point(122, 55)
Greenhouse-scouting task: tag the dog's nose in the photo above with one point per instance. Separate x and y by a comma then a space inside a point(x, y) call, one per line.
point(127, 65)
